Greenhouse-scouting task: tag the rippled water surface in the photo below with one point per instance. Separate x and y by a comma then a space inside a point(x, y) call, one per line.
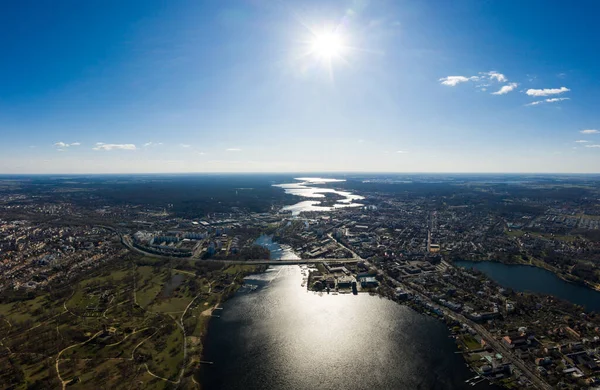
point(280, 336)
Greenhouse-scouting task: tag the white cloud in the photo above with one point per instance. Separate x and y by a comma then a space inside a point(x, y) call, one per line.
point(401, 151)
point(547, 91)
point(185, 146)
point(535, 103)
point(103, 146)
point(592, 146)
point(66, 145)
point(233, 150)
point(453, 81)
point(506, 89)
point(581, 141)
point(552, 100)
point(152, 144)
point(499, 77)
point(590, 131)
point(484, 80)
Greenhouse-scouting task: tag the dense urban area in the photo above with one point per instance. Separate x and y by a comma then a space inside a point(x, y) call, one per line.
point(113, 279)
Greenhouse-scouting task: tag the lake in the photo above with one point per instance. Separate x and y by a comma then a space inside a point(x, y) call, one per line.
point(280, 336)
point(305, 187)
point(526, 278)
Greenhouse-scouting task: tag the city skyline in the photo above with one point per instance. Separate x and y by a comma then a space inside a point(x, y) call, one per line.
point(250, 86)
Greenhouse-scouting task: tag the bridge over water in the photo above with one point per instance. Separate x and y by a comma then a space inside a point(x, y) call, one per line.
point(129, 245)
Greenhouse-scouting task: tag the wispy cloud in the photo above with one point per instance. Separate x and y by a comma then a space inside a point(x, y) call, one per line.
point(552, 100)
point(590, 131)
point(499, 77)
point(152, 144)
point(592, 146)
point(506, 89)
point(233, 150)
point(453, 81)
point(401, 151)
point(483, 80)
point(63, 145)
point(581, 141)
point(185, 146)
point(547, 91)
point(108, 147)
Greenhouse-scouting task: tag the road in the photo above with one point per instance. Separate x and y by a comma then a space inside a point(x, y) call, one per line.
point(483, 332)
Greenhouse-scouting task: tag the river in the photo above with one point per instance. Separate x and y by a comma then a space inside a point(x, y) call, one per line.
point(278, 251)
point(538, 280)
point(281, 336)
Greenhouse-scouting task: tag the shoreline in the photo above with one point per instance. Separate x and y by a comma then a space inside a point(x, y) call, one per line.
point(197, 371)
point(560, 275)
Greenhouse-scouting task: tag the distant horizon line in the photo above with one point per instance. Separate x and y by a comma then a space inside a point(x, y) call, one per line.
point(299, 173)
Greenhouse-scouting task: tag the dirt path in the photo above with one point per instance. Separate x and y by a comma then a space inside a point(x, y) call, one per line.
point(64, 383)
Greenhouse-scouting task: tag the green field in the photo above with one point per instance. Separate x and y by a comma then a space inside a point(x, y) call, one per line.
point(115, 329)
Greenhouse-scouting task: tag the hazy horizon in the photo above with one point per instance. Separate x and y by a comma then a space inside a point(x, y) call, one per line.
point(292, 173)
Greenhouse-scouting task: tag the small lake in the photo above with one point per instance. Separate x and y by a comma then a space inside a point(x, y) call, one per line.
point(174, 282)
point(533, 279)
point(278, 251)
point(306, 187)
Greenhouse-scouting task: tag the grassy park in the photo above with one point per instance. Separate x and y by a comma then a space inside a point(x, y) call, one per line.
point(136, 325)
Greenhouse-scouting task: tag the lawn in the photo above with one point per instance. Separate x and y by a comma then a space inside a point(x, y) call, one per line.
point(164, 351)
point(469, 342)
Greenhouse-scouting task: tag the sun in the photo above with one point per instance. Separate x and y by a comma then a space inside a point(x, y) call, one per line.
point(327, 45)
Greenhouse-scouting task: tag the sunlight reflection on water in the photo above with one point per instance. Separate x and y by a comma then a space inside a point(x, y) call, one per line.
point(305, 189)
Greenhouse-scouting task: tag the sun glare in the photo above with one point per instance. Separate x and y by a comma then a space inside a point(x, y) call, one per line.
point(327, 45)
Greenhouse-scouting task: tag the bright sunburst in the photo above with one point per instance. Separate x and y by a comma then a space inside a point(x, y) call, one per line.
point(327, 45)
point(325, 48)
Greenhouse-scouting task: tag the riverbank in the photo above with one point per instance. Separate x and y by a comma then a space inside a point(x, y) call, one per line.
point(206, 315)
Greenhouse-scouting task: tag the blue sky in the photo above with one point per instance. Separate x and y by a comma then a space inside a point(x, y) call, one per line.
point(243, 86)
